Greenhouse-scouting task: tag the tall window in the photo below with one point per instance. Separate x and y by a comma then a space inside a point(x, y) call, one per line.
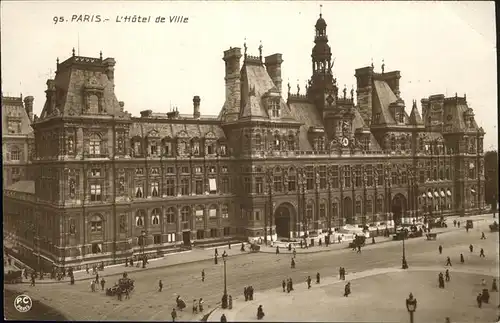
point(380, 174)
point(291, 181)
point(225, 211)
point(277, 142)
point(291, 143)
point(275, 108)
point(309, 178)
point(259, 186)
point(185, 214)
point(153, 148)
point(358, 176)
point(140, 218)
point(15, 154)
point(139, 193)
point(369, 207)
point(321, 143)
point(258, 142)
point(322, 211)
point(335, 209)
point(369, 175)
point(347, 176)
point(335, 177)
point(404, 178)
point(170, 187)
point(309, 211)
point(393, 143)
point(170, 215)
point(380, 205)
point(185, 186)
point(358, 206)
point(199, 187)
point(247, 185)
point(225, 185)
point(155, 189)
point(95, 145)
point(137, 148)
point(395, 178)
point(278, 184)
point(322, 177)
point(155, 217)
point(95, 192)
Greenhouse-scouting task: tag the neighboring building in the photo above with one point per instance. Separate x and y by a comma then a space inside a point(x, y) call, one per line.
point(308, 163)
point(17, 138)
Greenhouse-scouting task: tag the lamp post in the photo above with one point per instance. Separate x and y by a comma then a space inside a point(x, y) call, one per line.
point(143, 238)
point(271, 207)
point(224, 296)
point(330, 171)
point(304, 216)
point(411, 306)
point(404, 264)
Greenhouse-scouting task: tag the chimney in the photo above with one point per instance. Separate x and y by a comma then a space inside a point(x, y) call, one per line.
point(196, 107)
point(364, 92)
point(233, 91)
point(110, 68)
point(273, 66)
point(28, 105)
point(122, 104)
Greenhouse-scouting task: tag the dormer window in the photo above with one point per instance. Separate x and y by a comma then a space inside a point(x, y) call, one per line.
point(167, 148)
point(196, 147)
point(274, 106)
point(400, 117)
point(276, 142)
point(153, 148)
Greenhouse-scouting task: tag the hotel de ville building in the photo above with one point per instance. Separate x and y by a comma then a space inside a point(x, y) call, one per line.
point(87, 182)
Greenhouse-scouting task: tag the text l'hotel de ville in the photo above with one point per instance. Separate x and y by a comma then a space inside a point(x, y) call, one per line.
point(173, 19)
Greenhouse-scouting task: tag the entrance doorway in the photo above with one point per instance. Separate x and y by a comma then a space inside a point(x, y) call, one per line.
point(283, 220)
point(398, 208)
point(186, 238)
point(348, 210)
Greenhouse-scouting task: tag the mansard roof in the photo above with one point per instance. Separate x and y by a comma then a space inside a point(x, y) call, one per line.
point(383, 96)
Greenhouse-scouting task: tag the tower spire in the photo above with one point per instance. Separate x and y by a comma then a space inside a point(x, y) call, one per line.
point(320, 10)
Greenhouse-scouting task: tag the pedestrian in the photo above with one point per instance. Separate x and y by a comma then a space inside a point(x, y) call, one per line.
point(92, 285)
point(32, 281)
point(160, 286)
point(216, 252)
point(251, 292)
point(308, 282)
point(462, 260)
point(440, 248)
point(359, 248)
point(230, 303)
point(229, 245)
point(301, 244)
point(317, 278)
point(447, 275)
point(283, 284)
point(458, 224)
point(224, 254)
point(292, 265)
point(215, 259)
point(277, 250)
point(290, 247)
point(483, 237)
point(494, 287)
point(454, 223)
point(339, 238)
point(195, 307)
point(441, 280)
point(200, 304)
point(72, 280)
point(203, 275)
point(223, 318)
point(260, 313)
point(320, 242)
point(241, 249)
point(97, 278)
point(294, 253)
point(347, 289)
point(245, 292)
point(373, 240)
point(87, 268)
point(173, 314)
point(291, 284)
point(471, 248)
point(288, 289)
point(103, 282)
point(481, 253)
point(479, 300)
point(448, 261)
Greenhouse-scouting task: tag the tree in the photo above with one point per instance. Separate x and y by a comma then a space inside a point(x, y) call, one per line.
point(491, 177)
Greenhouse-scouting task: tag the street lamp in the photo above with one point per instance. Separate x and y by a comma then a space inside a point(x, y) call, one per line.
point(224, 296)
point(411, 306)
point(142, 238)
point(404, 264)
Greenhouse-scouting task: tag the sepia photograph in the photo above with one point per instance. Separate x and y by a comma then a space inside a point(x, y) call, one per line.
point(238, 161)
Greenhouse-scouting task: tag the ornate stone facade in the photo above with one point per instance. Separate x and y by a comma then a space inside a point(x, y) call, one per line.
point(266, 166)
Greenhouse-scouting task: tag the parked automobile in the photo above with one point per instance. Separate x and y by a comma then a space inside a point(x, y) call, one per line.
point(469, 224)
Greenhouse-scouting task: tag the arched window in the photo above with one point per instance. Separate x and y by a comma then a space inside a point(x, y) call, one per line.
point(195, 146)
point(96, 224)
point(358, 205)
point(170, 215)
point(291, 143)
point(95, 145)
point(278, 180)
point(322, 210)
point(404, 178)
point(155, 216)
point(321, 143)
point(310, 210)
point(225, 211)
point(15, 153)
point(258, 142)
point(185, 213)
point(200, 214)
point(139, 218)
point(393, 143)
point(277, 142)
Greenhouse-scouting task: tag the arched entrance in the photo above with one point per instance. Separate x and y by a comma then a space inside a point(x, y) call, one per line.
point(398, 207)
point(348, 210)
point(283, 219)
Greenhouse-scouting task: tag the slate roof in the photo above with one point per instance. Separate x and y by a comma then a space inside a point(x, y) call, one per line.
point(173, 130)
point(415, 118)
point(308, 114)
point(383, 97)
point(23, 187)
point(13, 106)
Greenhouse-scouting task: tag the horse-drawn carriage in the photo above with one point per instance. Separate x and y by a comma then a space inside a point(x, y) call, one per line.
point(124, 285)
point(494, 227)
point(359, 240)
point(254, 247)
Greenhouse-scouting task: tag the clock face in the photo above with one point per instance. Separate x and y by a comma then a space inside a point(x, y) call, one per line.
point(345, 142)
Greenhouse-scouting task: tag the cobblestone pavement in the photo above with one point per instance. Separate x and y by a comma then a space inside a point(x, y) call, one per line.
point(261, 270)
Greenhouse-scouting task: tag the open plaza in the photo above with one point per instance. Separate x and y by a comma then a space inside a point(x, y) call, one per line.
point(378, 284)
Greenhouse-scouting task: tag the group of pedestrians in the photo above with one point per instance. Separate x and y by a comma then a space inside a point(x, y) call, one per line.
point(248, 293)
point(288, 285)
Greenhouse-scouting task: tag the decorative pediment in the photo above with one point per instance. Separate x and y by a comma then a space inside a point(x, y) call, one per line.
point(210, 135)
point(153, 134)
point(182, 134)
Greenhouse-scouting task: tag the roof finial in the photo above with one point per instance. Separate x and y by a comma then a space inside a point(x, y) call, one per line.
point(57, 61)
point(100, 55)
point(260, 50)
point(352, 92)
point(372, 63)
point(345, 91)
point(289, 87)
point(73, 51)
point(383, 66)
point(245, 47)
point(465, 97)
point(298, 87)
point(320, 11)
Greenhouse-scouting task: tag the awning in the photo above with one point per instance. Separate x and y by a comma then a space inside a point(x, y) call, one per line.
point(448, 192)
point(442, 194)
point(436, 194)
point(212, 184)
point(429, 194)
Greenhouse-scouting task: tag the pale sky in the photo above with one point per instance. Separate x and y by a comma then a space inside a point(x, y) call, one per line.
point(439, 47)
